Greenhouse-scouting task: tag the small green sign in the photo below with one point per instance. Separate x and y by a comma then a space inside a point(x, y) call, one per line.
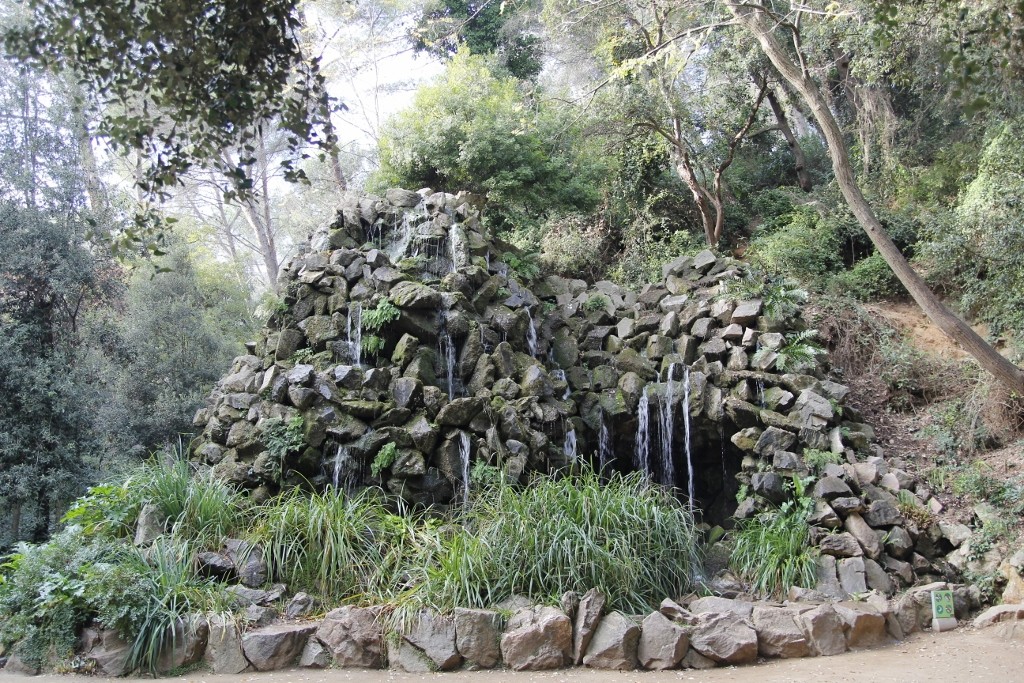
point(942, 605)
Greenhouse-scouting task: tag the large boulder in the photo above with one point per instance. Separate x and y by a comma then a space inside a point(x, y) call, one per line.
point(588, 615)
point(778, 634)
point(478, 637)
point(354, 636)
point(824, 629)
point(432, 641)
point(663, 643)
point(276, 647)
point(725, 638)
point(106, 648)
point(537, 638)
point(614, 645)
point(224, 647)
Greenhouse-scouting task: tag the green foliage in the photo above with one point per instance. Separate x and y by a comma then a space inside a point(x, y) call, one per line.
point(631, 540)
point(384, 459)
point(574, 245)
point(773, 551)
point(978, 248)
point(869, 279)
point(816, 459)
point(105, 510)
point(374, 319)
point(595, 303)
point(525, 266)
point(977, 482)
point(805, 247)
point(340, 546)
point(910, 508)
point(474, 130)
point(780, 297)
point(372, 345)
point(798, 352)
point(153, 72)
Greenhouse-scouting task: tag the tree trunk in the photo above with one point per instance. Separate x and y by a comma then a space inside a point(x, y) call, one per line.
point(761, 27)
point(799, 161)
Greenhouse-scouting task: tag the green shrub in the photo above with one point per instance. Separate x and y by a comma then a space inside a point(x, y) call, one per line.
point(340, 546)
point(798, 353)
point(596, 302)
point(384, 459)
point(806, 248)
point(525, 266)
point(631, 540)
point(196, 505)
point(816, 459)
point(373, 319)
point(773, 551)
point(869, 279)
point(574, 246)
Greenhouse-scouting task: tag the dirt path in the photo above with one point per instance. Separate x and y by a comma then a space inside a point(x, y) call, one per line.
point(956, 657)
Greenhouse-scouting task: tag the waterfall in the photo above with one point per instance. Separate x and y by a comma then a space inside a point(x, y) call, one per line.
point(446, 350)
point(396, 251)
point(531, 335)
point(668, 474)
point(686, 432)
point(354, 331)
point(569, 447)
point(342, 476)
point(643, 435)
point(487, 260)
point(760, 392)
point(464, 460)
point(604, 445)
point(559, 374)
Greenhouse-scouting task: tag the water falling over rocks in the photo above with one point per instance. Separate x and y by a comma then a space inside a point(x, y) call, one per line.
point(533, 376)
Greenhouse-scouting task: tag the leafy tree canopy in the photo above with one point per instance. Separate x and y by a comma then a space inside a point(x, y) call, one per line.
point(177, 81)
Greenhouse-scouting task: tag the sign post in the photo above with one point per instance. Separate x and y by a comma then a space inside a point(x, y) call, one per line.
point(943, 612)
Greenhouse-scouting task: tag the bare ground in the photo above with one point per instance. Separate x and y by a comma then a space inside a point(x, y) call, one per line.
point(956, 657)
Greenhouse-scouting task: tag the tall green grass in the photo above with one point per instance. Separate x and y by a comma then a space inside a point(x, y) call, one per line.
point(629, 539)
point(773, 551)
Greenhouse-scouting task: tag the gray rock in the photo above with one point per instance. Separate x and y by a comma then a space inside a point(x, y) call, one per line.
point(478, 637)
point(460, 412)
point(215, 564)
point(770, 486)
point(413, 295)
point(830, 488)
point(713, 604)
point(536, 639)
point(695, 660)
point(864, 624)
point(663, 643)
point(827, 579)
point(354, 637)
point(104, 646)
point(300, 605)
point(150, 524)
point(824, 630)
point(746, 313)
point(434, 636)
point(588, 614)
point(726, 638)
point(882, 513)
point(248, 561)
point(840, 545)
point(314, 656)
point(224, 647)
point(773, 440)
point(276, 647)
point(876, 578)
point(676, 612)
point(614, 645)
point(865, 535)
point(824, 516)
point(187, 644)
point(288, 342)
point(852, 575)
point(847, 505)
point(255, 615)
point(778, 634)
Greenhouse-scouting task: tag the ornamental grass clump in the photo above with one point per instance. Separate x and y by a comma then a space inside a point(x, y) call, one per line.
point(631, 540)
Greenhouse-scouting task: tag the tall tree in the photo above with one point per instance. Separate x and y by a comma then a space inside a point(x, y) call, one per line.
point(764, 26)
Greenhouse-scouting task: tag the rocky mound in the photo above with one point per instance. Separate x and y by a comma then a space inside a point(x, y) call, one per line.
point(411, 347)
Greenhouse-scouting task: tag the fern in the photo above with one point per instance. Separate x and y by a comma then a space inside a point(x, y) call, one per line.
point(376, 318)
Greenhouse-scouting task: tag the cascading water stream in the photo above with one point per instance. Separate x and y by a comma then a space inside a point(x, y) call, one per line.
point(569, 447)
point(354, 331)
point(531, 335)
point(686, 433)
point(446, 350)
point(604, 445)
point(559, 374)
point(668, 473)
point(464, 461)
point(643, 435)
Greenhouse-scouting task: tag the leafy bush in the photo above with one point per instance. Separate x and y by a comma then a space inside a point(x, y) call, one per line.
point(773, 550)
point(633, 541)
point(574, 245)
point(798, 352)
point(384, 459)
point(340, 546)
point(596, 302)
point(525, 266)
point(196, 505)
point(806, 247)
point(384, 312)
point(868, 280)
point(816, 459)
